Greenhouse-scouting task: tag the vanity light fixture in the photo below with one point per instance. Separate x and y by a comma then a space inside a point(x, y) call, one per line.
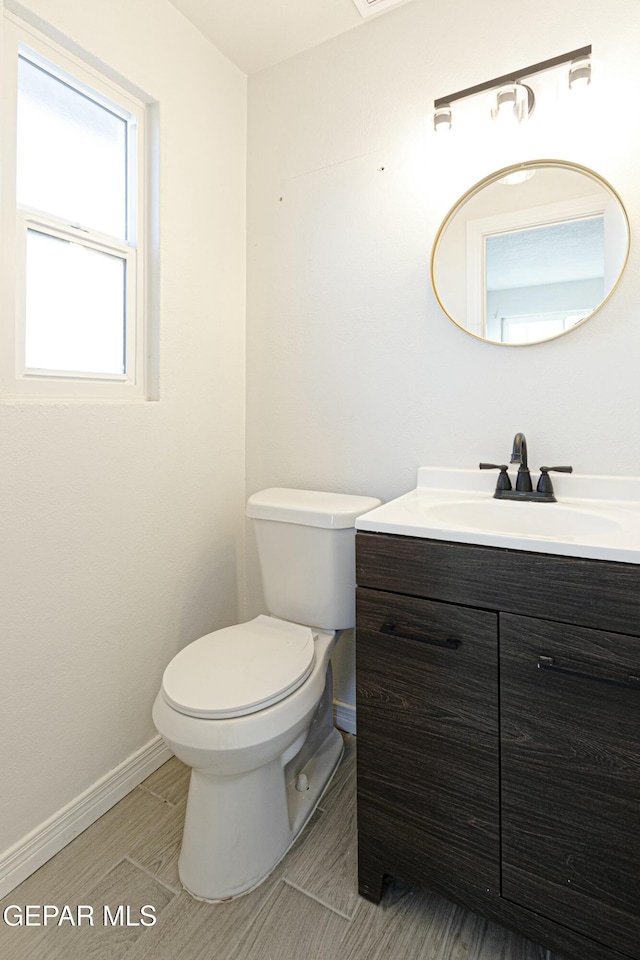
point(580, 74)
point(512, 99)
point(442, 119)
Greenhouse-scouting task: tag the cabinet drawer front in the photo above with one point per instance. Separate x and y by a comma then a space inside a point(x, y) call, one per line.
point(570, 716)
point(593, 593)
point(428, 736)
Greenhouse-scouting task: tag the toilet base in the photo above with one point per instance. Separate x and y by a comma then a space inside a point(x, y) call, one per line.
point(268, 812)
point(238, 827)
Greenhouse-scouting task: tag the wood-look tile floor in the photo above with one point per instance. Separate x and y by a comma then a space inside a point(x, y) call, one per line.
point(308, 908)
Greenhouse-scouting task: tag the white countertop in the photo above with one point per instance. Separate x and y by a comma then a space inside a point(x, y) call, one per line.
point(596, 517)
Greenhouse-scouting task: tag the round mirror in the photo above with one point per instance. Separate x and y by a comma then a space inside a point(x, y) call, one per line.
point(530, 252)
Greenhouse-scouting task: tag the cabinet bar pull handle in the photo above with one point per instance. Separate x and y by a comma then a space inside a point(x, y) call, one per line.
point(390, 628)
point(548, 663)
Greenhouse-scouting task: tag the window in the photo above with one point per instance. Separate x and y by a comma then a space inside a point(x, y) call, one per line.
point(73, 215)
point(532, 328)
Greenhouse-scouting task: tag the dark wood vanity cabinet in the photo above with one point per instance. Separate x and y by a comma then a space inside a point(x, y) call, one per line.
point(498, 709)
point(570, 723)
point(428, 744)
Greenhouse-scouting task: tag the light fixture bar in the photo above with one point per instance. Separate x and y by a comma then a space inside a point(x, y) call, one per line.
point(514, 76)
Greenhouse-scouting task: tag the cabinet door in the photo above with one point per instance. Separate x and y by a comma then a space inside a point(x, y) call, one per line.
point(570, 716)
point(428, 751)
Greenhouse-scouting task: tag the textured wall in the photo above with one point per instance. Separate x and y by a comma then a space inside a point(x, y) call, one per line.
point(355, 377)
point(122, 528)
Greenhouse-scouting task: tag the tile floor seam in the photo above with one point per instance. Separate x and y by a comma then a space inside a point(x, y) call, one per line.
point(158, 796)
point(152, 876)
point(322, 903)
point(235, 945)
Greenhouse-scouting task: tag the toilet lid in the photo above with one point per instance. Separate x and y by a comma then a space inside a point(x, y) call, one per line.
point(239, 670)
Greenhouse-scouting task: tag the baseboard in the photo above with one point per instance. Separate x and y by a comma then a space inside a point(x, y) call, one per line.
point(21, 860)
point(345, 716)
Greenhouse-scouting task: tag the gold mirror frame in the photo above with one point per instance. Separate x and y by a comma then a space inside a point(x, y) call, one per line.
point(494, 178)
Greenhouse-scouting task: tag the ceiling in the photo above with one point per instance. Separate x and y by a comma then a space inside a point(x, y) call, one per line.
point(255, 34)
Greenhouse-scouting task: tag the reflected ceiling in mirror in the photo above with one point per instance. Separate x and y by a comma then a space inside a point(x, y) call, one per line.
point(530, 252)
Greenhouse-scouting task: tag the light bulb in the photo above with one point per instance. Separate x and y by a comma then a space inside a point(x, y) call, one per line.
point(512, 103)
point(442, 119)
point(580, 74)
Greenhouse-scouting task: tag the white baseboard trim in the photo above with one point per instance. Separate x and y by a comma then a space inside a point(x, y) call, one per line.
point(345, 716)
point(21, 860)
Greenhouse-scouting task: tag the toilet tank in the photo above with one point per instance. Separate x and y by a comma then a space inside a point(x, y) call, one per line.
point(306, 548)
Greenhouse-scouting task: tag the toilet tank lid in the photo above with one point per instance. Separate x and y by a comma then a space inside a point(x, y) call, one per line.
point(311, 508)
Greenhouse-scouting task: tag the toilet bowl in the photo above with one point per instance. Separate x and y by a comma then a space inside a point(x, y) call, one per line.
point(250, 707)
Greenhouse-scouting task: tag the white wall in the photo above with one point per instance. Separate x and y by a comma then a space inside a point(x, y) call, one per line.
point(122, 525)
point(355, 377)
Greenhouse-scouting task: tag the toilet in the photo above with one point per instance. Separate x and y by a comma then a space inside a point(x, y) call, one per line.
point(250, 707)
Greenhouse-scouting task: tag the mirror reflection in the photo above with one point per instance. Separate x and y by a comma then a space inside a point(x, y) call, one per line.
point(530, 252)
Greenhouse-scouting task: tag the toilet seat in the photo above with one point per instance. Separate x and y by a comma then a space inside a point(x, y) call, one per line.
point(239, 670)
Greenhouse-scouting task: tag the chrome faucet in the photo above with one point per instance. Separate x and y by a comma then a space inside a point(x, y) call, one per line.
point(524, 489)
point(519, 455)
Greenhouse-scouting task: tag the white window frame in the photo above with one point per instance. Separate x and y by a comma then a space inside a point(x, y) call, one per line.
point(16, 380)
point(566, 318)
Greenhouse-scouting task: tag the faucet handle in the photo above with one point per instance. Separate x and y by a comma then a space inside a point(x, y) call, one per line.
point(544, 481)
point(504, 483)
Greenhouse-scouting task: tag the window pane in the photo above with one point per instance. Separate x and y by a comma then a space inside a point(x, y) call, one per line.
point(526, 331)
point(72, 154)
point(75, 314)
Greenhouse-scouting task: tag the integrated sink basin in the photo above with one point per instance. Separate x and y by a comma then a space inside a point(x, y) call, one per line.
point(515, 519)
point(595, 517)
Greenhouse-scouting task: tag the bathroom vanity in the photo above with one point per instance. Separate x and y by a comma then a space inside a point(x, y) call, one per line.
point(498, 699)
